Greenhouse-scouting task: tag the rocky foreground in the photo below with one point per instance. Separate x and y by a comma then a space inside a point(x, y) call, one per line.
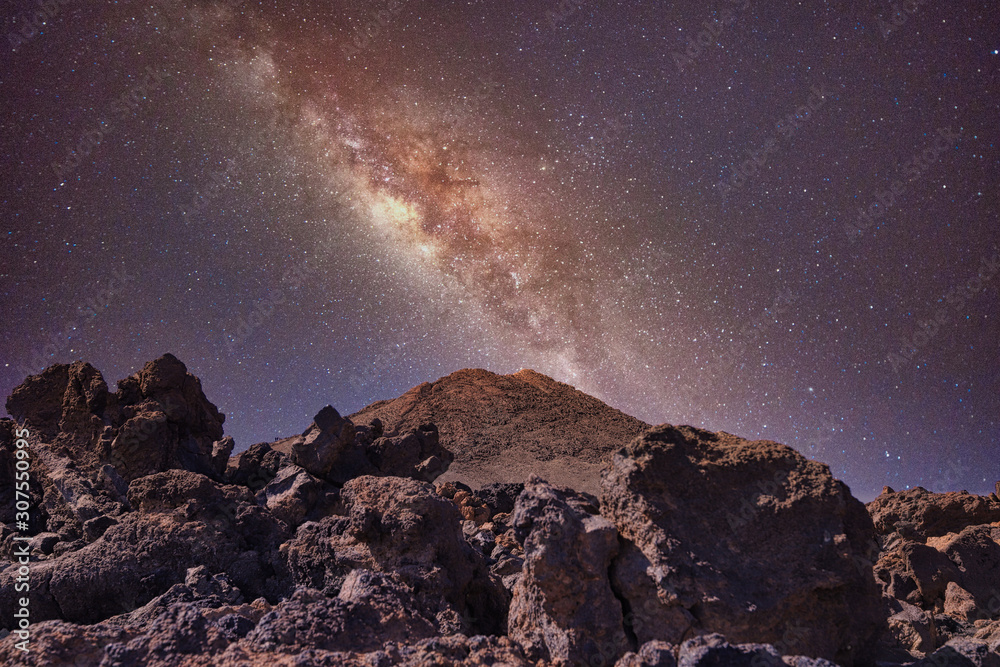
point(153, 546)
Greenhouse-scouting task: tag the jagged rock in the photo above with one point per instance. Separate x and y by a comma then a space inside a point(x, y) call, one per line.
point(651, 654)
point(291, 495)
point(44, 542)
point(182, 519)
point(959, 603)
point(370, 610)
point(922, 514)
point(169, 423)
point(563, 608)
point(221, 451)
point(915, 572)
point(328, 449)
point(472, 508)
point(989, 632)
point(500, 497)
point(962, 652)
point(61, 401)
point(255, 467)
point(714, 650)
point(392, 524)
point(977, 558)
point(87, 443)
point(912, 629)
point(417, 454)
point(366, 434)
point(201, 588)
point(743, 537)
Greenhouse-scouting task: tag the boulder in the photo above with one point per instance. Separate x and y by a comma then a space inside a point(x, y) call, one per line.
point(919, 514)
point(181, 519)
point(291, 495)
point(563, 608)
point(912, 629)
point(255, 467)
point(962, 652)
point(392, 524)
point(651, 654)
point(328, 449)
point(417, 454)
point(500, 497)
point(713, 650)
point(371, 609)
point(915, 572)
point(748, 538)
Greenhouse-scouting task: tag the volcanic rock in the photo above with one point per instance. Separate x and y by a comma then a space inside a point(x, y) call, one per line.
point(328, 448)
point(962, 652)
point(563, 608)
point(392, 524)
point(371, 609)
point(746, 538)
point(181, 519)
point(918, 514)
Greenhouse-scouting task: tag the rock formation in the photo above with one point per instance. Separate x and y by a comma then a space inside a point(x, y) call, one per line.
point(151, 545)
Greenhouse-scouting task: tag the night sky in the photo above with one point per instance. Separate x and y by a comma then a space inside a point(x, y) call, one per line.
point(778, 220)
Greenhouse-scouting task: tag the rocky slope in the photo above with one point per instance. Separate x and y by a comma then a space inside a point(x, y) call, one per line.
point(557, 431)
point(345, 545)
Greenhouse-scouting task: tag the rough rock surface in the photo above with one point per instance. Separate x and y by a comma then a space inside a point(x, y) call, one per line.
point(918, 514)
point(745, 538)
point(391, 524)
point(563, 607)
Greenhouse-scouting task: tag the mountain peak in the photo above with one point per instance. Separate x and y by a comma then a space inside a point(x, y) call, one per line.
point(505, 427)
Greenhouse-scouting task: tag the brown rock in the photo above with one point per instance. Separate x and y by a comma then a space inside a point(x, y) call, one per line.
point(651, 654)
point(417, 454)
point(392, 524)
point(743, 537)
point(977, 557)
point(915, 572)
point(959, 603)
point(913, 630)
point(182, 520)
point(328, 449)
point(471, 507)
point(962, 651)
point(920, 514)
point(291, 495)
point(371, 609)
point(563, 608)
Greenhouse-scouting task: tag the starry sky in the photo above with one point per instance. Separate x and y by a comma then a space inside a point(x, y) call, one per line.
point(773, 219)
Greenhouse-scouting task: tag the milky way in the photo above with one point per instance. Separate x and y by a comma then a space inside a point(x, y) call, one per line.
point(774, 221)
